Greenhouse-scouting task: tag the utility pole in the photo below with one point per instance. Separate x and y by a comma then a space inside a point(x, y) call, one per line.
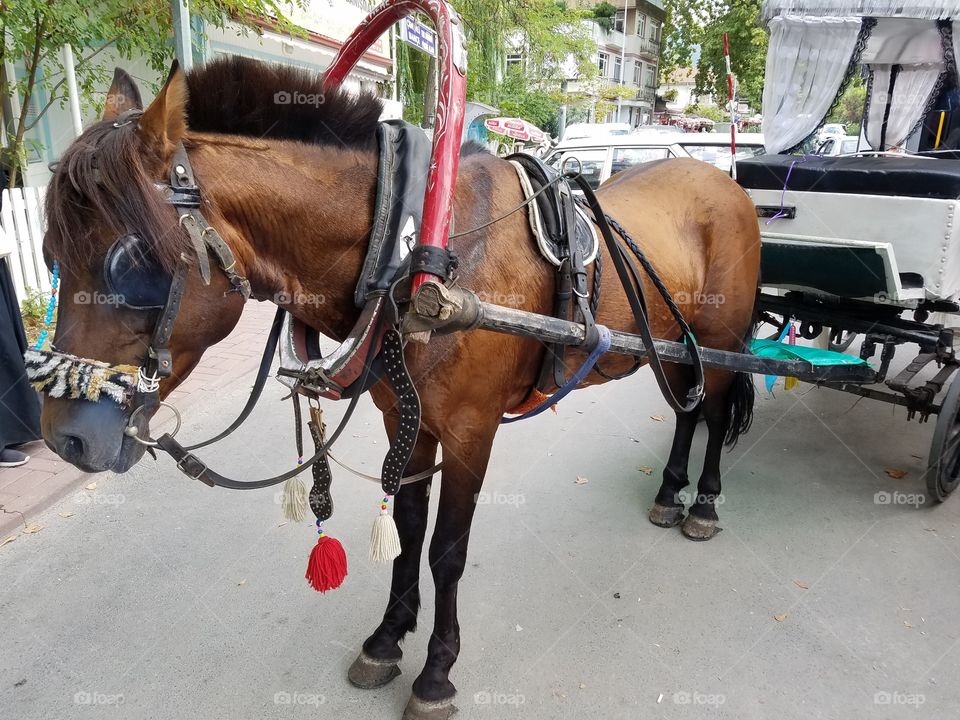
point(623, 62)
point(182, 45)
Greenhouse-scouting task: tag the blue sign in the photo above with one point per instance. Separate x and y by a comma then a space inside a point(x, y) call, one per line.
point(415, 33)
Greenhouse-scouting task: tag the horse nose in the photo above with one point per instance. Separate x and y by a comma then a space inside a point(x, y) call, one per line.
point(70, 448)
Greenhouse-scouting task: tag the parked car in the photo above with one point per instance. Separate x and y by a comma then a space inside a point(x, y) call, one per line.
point(845, 145)
point(581, 131)
point(602, 159)
point(831, 130)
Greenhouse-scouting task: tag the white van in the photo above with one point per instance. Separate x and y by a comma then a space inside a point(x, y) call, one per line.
point(600, 159)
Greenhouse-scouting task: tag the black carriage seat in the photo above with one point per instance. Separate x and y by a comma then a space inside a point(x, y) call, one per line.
point(922, 177)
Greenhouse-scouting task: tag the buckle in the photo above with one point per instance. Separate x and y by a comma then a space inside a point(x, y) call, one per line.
point(191, 466)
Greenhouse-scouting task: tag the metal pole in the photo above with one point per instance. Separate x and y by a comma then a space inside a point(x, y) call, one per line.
point(182, 34)
point(623, 62)
point(74, 96)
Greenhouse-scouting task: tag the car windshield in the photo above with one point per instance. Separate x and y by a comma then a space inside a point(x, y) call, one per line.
point(591, 163)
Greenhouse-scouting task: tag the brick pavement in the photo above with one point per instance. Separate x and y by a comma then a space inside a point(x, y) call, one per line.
point(27, 491)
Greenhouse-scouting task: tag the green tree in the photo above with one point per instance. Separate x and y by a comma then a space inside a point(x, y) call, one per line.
point(603, 14)
point(681, 34)
point(740, 19)
point(849, 110)
point(36, 30)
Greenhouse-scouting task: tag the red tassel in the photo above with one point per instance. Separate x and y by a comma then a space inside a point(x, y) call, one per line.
point(328, 564)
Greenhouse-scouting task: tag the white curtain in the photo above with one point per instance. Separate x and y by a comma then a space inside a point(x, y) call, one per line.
point(911, 91)
point(806, 63)
point(929, 9)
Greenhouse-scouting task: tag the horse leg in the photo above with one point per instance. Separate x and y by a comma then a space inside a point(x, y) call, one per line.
point(464, 465)
point(667, 510)
point(729, 401)
point(377, 663)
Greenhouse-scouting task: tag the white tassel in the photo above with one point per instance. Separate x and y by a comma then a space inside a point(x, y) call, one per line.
point(294, 500)
point(384, 539)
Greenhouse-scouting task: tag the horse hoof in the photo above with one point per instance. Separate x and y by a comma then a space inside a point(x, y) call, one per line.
point(418, 709)
point(367, 673)
point(666, 517)
point(698, 528)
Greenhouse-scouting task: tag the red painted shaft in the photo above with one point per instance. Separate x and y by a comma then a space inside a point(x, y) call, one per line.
point(451, 101)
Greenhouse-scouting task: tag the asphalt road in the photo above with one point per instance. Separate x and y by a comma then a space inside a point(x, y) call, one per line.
point(161, 598)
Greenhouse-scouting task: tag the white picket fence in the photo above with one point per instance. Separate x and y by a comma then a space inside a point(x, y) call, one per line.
point(21, 239)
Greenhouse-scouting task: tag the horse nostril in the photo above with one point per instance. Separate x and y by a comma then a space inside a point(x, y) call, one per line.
point(71, 449)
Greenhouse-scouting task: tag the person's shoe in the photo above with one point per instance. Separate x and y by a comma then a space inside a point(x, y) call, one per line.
point(12, 458)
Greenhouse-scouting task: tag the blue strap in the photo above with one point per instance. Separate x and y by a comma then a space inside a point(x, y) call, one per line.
point(572, 383)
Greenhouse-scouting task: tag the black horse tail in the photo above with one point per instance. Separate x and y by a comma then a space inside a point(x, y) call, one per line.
point(741, 395)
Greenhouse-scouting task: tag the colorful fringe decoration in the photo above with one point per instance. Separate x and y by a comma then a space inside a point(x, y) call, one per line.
point(328, 563)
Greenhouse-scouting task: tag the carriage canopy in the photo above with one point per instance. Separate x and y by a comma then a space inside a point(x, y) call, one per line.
point(816, 47)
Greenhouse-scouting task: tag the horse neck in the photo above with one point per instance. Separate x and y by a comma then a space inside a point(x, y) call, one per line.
point(297, 217)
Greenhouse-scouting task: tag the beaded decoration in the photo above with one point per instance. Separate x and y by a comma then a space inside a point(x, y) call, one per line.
point(51, 305)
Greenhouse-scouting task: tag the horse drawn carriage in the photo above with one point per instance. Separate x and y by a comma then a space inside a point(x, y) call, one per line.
point(173, 211)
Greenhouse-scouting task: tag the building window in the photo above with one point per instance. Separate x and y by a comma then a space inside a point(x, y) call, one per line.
point(618, 21)
point(650, 78)
point(618, 68)
point(655, 31)
point(637, 70)
point(514, 60)
point(641, 25)
point(602, 63)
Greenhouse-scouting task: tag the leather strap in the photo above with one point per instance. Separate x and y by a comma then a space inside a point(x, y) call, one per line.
point(321, 500)
point(401, 446)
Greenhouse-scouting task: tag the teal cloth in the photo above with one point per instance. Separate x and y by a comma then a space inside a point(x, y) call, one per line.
point(814, 356)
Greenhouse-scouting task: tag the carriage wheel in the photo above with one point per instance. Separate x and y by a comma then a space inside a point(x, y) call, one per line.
point(840, 340)
point(943, 468)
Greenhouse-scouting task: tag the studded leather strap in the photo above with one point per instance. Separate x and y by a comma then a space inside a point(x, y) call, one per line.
point(401, 446)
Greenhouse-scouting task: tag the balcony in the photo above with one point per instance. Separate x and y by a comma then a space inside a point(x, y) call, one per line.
point(648, 48)
point(647, 94)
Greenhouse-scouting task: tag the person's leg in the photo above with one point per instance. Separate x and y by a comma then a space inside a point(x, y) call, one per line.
point(12, 458)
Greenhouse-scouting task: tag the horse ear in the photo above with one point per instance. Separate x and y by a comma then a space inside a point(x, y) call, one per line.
point(123, 95)
point(165, 119)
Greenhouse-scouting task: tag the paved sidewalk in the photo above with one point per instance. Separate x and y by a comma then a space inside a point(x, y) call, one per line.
point(27, 491)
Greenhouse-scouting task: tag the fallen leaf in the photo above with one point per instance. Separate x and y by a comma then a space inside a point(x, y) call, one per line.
point(242, 582)
point(581, 480)
point(780, 618)
point(8, 540)
point(896, 474)
point(646, 469)
point(34, 528)
point(657, 418)
point(66, 514)
point(801, 585)
point(91, 486)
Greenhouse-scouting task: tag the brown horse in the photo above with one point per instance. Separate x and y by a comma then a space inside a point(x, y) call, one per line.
point(291, 189)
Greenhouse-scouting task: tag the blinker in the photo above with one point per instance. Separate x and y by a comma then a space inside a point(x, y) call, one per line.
point(134, 276)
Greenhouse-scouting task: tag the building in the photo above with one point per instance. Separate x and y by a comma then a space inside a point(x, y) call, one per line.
point(627, 55)
point(327, 24)
point(679, 91)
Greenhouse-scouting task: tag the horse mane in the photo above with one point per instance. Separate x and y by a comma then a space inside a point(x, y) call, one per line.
point(240, 96)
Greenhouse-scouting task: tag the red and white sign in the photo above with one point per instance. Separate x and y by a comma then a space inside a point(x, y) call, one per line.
point(516, 129)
